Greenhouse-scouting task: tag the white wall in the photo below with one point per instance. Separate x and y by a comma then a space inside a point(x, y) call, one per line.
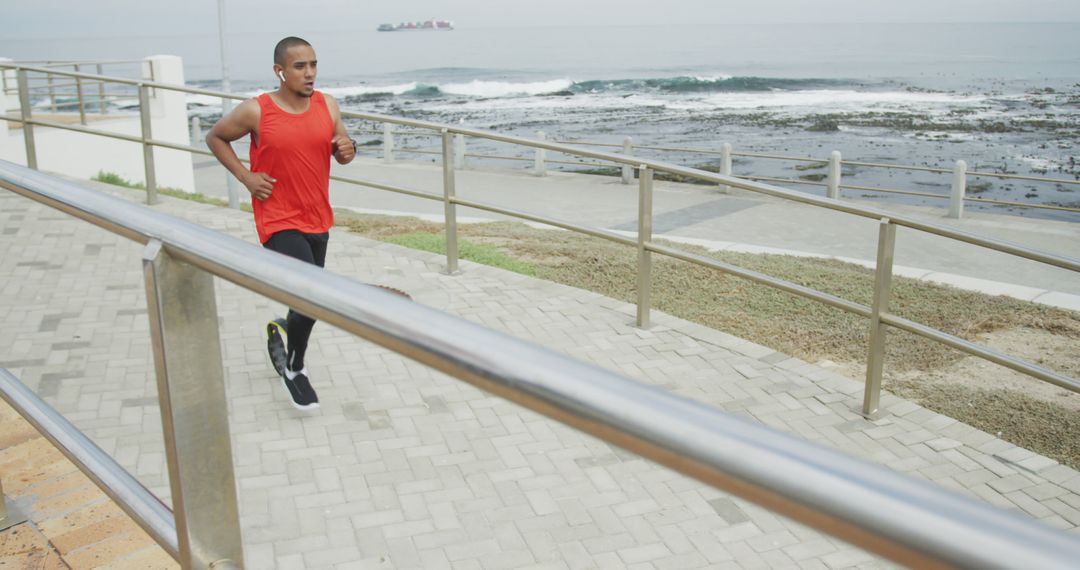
point(82, 155)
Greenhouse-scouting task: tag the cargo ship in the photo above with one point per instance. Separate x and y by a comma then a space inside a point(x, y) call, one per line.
point(425, 26)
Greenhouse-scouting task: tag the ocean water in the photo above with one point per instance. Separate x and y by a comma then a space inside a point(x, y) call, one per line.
point(1002, 97)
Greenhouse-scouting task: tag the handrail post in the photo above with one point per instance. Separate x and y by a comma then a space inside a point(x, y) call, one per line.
point(539, 168)
point(196, 131)
point(450, 209)
point(644, 281)
point(102, 107)
point(52, 93)
point(24, 113)
point(79, 94)
point(875, 361)
point(388, 143)
point(459, 152)
point(148, 149)
point(194, 413)
point(232, 184)
point(627, 170)
point(959, 189)
point(833, 178)
point(725, 165)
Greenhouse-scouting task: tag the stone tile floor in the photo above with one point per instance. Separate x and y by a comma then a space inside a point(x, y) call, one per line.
point(404, 467)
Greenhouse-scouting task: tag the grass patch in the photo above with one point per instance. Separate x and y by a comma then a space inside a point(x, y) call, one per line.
point(793, 325)
point(480, 253)
point(1044, 427)
point(117, 180)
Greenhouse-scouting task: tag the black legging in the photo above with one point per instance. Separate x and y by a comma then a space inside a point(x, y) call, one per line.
point(312, 249)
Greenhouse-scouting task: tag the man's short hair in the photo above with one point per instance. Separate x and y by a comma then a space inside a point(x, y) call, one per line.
point(284, 45)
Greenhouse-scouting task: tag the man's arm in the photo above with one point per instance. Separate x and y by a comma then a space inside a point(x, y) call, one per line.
point(244, 119)
point(344, 149)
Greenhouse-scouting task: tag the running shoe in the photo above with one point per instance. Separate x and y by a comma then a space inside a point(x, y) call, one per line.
point(276, 339)
point(300, 390)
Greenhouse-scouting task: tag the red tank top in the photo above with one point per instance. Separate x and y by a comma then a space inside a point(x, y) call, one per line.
point(295, 150)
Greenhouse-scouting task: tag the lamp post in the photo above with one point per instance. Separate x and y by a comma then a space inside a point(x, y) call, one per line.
point(226, 104)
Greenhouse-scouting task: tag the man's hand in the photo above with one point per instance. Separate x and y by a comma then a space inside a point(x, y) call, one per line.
point(259, 184)
point(344, 149)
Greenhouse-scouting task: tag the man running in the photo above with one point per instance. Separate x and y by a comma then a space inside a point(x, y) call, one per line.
point(294, 132)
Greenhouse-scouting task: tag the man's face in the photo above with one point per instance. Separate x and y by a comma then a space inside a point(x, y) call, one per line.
point(300, 70)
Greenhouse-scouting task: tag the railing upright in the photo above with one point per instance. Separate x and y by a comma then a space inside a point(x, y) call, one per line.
point(875, 361)
point(627, 170)
point(148, 149)
point(833, 177)
point(959, 189)
point(102, 107)
point(459, 152)
point(388, 143)
point(644, 278)
point(24, 112)
point(450, 208)
point(79, 94)
point(194, 412)
point(196, 131)
point(725, 165)
point(52, 92)
point(539, 168)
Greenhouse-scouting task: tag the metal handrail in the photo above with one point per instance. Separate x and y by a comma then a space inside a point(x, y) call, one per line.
point(905, 519)
point(129, 494)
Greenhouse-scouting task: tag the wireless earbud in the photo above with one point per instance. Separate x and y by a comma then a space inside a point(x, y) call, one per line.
point(281, 75)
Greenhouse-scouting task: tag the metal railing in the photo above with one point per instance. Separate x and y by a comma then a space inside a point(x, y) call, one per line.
point(833, 183)
point(78, 94)
point(878, 313)
point(894, 515)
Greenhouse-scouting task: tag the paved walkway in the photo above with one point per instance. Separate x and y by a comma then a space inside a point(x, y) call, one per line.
point(406, 468)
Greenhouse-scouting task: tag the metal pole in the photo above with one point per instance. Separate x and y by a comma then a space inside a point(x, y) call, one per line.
point(459, 152)
point(875, 361)
point(388, 143)
point(52, 93)
point(102, 107)
point(448, 204)
point(196, 131)
point(539, 168)
point(194, 415)
point(79, 93)
point(231, 185)
point(959, 189)
point(148, 149)
point(225, 86)
point(833, 180)
point(627, 170)
point(24, 112)
point(644, 282)
point(725, 165)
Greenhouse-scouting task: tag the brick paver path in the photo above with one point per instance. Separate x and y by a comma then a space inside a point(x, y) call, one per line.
point(404, 467)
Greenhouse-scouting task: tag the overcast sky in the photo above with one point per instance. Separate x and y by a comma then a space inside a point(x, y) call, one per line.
point(68, 18)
